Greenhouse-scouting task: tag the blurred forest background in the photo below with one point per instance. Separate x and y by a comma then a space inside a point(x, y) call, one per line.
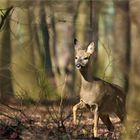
point(37, 50)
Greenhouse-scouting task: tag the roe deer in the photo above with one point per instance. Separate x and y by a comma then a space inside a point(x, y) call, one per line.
point(97, 95)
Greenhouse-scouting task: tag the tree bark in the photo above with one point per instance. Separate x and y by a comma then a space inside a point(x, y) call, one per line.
point(133, 98)
point(6, 87)
point(121, 49)
point(46, 44)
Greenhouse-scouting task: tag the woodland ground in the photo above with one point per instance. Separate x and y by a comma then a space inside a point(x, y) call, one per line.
point(44, 122)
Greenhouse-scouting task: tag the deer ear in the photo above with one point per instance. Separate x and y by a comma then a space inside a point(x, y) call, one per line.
point(75, 41)
point(76, 44)
point(91, 48)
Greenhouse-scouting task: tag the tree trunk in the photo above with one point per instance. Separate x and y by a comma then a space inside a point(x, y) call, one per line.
point(24, 58)
point(105, 41)
point(121, 49)
point(63, 33)
point(133, 98)
point(46, 44)
point(6, 87)
point(82, 23)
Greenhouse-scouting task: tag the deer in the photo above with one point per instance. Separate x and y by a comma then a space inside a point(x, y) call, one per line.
point(97, 95)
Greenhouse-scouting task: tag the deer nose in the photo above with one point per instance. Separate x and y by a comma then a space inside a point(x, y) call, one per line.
point(78, 66)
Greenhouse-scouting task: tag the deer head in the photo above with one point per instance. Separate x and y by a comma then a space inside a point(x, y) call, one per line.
point(82, 56)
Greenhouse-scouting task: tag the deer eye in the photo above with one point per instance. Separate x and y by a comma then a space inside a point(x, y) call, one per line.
point(86, 58)
point(75, 57)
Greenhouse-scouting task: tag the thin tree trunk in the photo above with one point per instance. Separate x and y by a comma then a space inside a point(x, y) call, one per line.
point(46, 38)
point(82, 23)
point(122, 42)
point(94, 12)
point(105, 42)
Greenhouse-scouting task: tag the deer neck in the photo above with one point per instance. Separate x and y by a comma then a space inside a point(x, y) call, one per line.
point(87, 74)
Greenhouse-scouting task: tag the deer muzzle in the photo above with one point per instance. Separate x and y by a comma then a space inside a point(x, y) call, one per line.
point(78, 66)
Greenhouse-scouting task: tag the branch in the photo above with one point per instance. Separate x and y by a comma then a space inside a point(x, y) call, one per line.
point(4, 16)
point(15, 109)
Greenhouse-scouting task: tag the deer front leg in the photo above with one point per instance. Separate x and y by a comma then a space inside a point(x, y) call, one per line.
point(96, 120)
point(80, 105)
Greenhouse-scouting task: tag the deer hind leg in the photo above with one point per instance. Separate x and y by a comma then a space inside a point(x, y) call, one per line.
point(105, 119)
point(80, 105)
point(121, 115)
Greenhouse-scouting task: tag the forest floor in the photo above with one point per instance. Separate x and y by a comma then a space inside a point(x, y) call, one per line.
point(44, 122)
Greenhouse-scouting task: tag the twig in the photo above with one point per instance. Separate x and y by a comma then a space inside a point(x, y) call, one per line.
point(3, 114)
point(15, 109)
point(61, 101)
point(54, 119)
